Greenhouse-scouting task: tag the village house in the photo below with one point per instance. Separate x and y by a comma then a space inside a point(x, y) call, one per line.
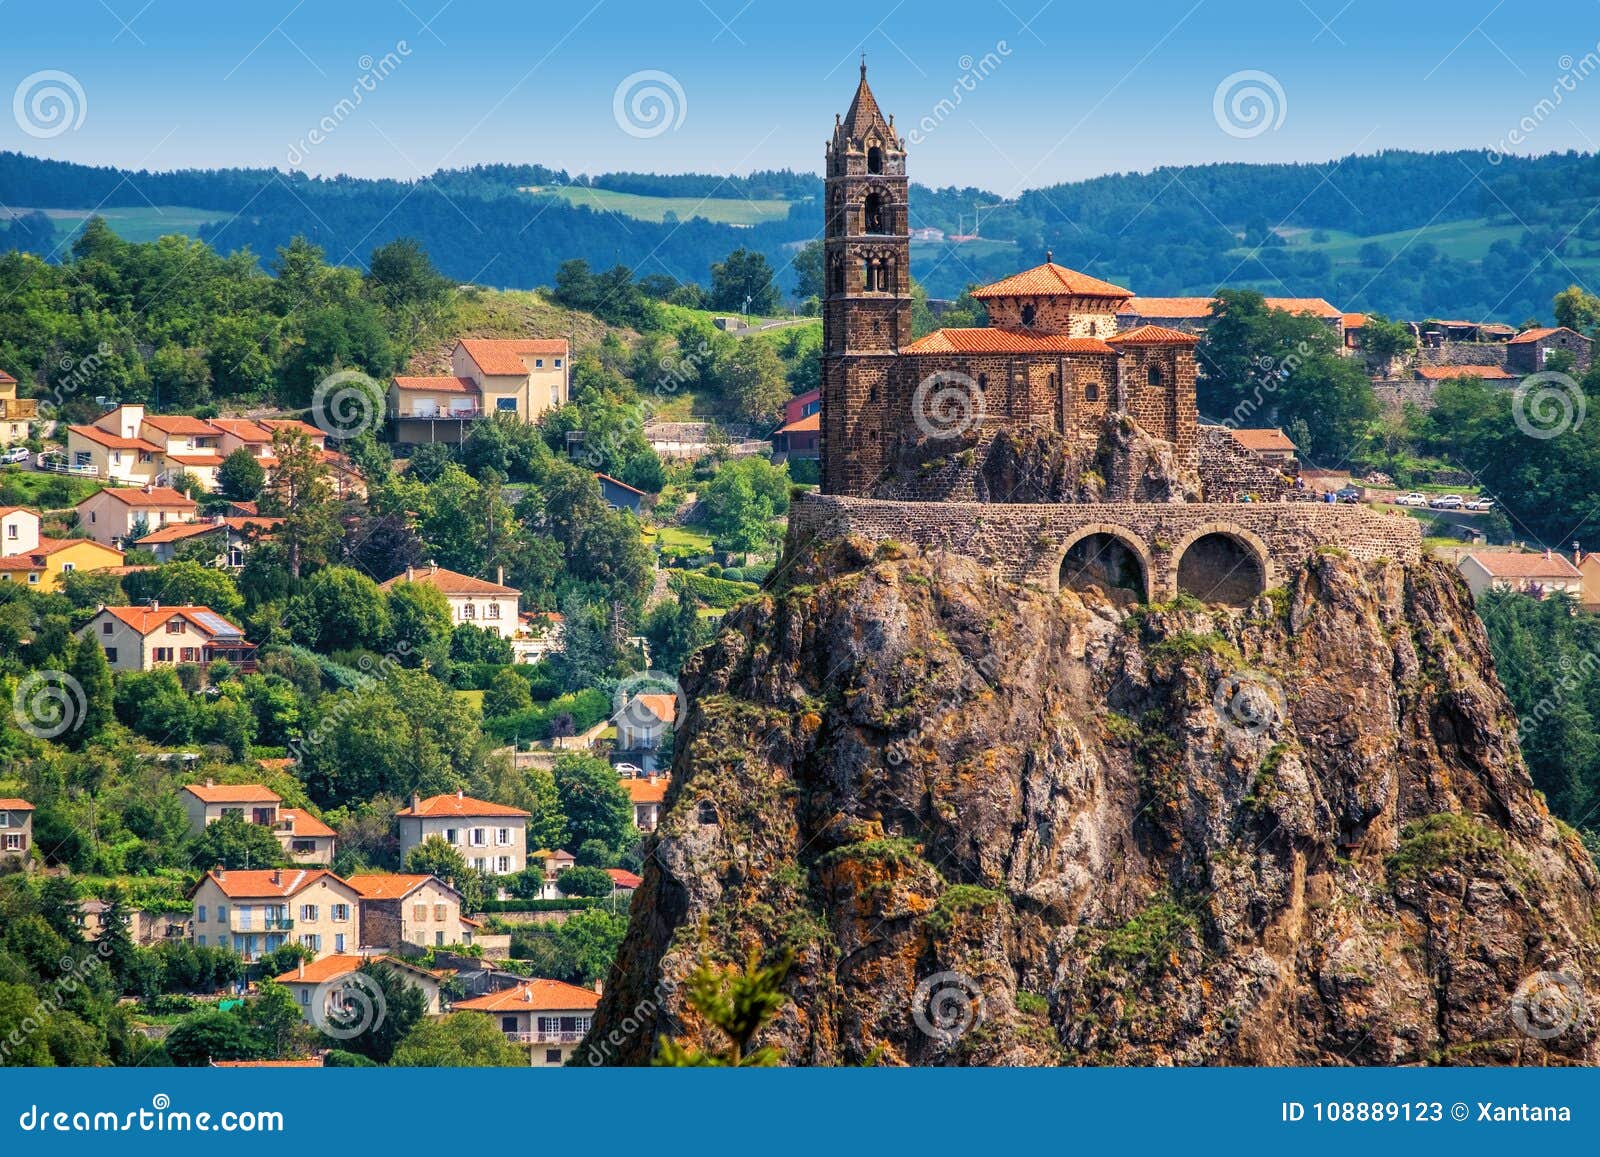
point(1530, 574)
point(1435, 332)
point(206, 803)
point(325, 989)
point(258, 911)
point(1193, 314)
point(114, 449)
point(19, 530)
point(146, 637)
point(15, 412)
point(619, 495)
point(401, 909)
point(542, 633)
point(554, 863)
point(43, 566)
point(1272, 445)
point(16, 828)
point(520, 377)
point(305, 838)
point(1528, 352)
point(491, 836)
point(489, 605)
point(228, 538)
point(189, 446)
point(550, 1016)
point(1588, 565)
point(116, 515)
point(800, 434)
point(642, 725)
point(1486, 372)
point(624, 881)
point(648, 794)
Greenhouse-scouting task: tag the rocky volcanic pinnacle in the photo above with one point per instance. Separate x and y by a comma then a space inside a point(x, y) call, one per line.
point(1002, 826)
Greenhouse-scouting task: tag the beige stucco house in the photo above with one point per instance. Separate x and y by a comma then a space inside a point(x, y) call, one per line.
point(16, 828)
point(520, 377)
point(19, 530)
point(326, 989)
point(408, 909)
point(257, 911)
point(15, 412)
point(143, 638)
point(1530, 574)
point(206, 803)
point(550, 1016)
point(491, 836)
point(114, 516)
point(305, 838)
point(489, 605)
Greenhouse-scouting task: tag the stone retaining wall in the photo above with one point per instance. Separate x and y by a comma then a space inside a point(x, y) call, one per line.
point(1027, 543)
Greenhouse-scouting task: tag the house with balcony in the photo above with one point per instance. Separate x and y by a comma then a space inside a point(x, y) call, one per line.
point(16, 829)
point(51, 559)
point(116, 516)
point(101, 450)
point(229, 538)
point(146, 637)
point(326, 991)
point(549, 1016)
point(648, 794)
point(642, 726)
point(257, 911)
point(15, 412)
point(554, 862)
point(191, 446)
point(492, 837)
point(489, 605)
point(522, 377)
point(408, 909)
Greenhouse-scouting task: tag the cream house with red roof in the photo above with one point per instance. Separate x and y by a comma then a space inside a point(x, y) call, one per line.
point(520, 376)
point(551, 1016)
point(1529, 574)
point(399, 908)
point(15, 412)
point(146, 637)
point(19, 530)
point(234, 536)
point(191, 446)
point(326, 990)
point(16, 828)
point(1269, 445)
point(257, 911)
point(491, 836)
point(305, 838)
point(489, 605)
point(113, 449)
point(648, 793)
point(111, 516)
point(206, 803)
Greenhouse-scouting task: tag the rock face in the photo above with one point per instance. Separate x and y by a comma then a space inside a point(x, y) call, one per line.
point(999, 826)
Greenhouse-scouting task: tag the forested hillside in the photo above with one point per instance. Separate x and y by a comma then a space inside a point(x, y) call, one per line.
point(1407, 234)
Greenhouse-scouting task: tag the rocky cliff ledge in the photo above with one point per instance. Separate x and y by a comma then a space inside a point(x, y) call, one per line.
point(999, 826)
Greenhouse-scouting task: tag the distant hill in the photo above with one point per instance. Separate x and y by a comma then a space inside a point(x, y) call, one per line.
point(1405, 233)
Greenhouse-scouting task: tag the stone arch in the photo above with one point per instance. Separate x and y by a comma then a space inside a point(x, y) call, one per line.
point(874, 158)
point(1110, 557)
point(874, 218)
point(1226, 563)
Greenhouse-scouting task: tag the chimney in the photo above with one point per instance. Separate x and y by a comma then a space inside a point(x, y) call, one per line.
point(219, 873)
point(1547, 554)
point(460, 794)
point(499, 576)
point(433, 567)
point(277, 875)
point(527, 994)
point(652, 777)
point(211, 783)
point(416, 802)
point(411, 573)
point(155, 604)
point(301, 971)
point(599, 987)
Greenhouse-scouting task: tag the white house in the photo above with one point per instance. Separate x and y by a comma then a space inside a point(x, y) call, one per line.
point(491, 836)
point(1530, 574)
point(490, 605)
point(116, 515)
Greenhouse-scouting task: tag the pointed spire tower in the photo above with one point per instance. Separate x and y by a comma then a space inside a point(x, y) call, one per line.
point(866, 316)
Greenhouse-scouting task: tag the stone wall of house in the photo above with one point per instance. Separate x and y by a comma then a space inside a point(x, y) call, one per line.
point(1395, 393)
point(1228, 471)
point(1463, 353)
point(1529, 357)
point(1027, 543)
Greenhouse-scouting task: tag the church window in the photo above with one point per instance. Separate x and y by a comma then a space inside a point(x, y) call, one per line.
point(867, 276)
point(874, 213)
point(1028, 315)
point(1091, 392)
point(1154, 376)
point(874, 160)
point(1094, 328)
point(983, 381)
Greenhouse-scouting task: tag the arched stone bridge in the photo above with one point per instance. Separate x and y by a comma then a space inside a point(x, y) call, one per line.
point(1218, 552)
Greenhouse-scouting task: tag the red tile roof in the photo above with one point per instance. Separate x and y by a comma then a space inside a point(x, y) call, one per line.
point(1200, 307)
point(1153, 335)
point(1539, 334)
point(460, 805)
point(1049, 280)
point(113, 441)
point(1355, 321)
point(989, 340)
point(1314, 305)
point(293, 425)
point(201, 459)
point(641, 790)
point(661, 704)
point(305, 824)
point(243, 429)
point(12, 804)
point(34, 559)
point(623, 878)
point(163, 496)
point(179, 424)
point(809, 424)
point(146, 619)
point(449, 582)
point(268, 882)
point(177, 531)
point(387, 886)
point(1448, 373)
point(232, 793)
point(534, 996)
point(318, 971)
point(438, 385)
point(1264, 440)
point(1507, 564)
point(619, 482)
point(7, 379)
point(504, 356)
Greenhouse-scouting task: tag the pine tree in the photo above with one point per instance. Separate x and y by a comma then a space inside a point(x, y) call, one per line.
point(93, 675)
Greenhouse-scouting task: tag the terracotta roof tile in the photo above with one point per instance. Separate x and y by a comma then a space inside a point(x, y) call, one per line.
point(268, 882)
point(1509, 564)
point(1049, 280)
point(534, 996)
point(1153, 335)
point(641, 790)
point(438, 385)
point(156, 496)
point(243, 429)
point(498, 357)
point(305, 824)
point(449, 582)
point(113, 441)
point(1264, 440)
point(233, 793)
point(989, 340)
point(318, 971)
point(620, 483)
point(145, 619)
point(387, 886)
point(12, 804)
point(460, 805)
point(623, 878)
point(179, 424)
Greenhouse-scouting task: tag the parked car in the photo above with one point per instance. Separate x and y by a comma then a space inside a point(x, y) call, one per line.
point(628, 770)
point(15, 454)
point(1480, 504)
point(1448, 502)
point(1412, 499)
point(1347, 494)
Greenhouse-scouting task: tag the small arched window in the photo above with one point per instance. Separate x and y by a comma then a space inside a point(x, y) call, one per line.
point(1091, 392)
point(867, 282)
point(873, 213)
point(1028, 314)
point(874, 160)
point(983, 381)
point(1153, 376)
point(1094, 329)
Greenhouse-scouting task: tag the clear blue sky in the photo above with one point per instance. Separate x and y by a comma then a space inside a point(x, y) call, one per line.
point(1073, 89)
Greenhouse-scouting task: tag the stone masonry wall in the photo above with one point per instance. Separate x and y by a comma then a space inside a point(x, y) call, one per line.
point(1026, 543)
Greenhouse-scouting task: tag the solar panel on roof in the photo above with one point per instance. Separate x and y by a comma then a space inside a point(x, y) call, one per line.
point(215, 623)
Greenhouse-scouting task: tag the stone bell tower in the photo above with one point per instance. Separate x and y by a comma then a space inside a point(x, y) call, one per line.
point(866, 312)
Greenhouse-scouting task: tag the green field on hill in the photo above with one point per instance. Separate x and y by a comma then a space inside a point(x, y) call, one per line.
point(721, 210)
point(1466, 240)
point(145, 223)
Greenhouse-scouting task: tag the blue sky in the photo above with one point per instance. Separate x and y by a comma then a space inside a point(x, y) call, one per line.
point(1072, 89)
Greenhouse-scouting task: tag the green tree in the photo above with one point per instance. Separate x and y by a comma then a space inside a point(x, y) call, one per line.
point(508, 694)
point(461, 1040)
point(809, 272)
point(234, 842)
point(736, 1003)
point(339, 609)
point(186, 584)
point(419, 624)
point(742, 283)
point(754, 382)
point(581, 881)
point(676, 631)
point(472, 644)
point(241, 476)
point(93, 675)
point(1382, 338)
point(1578, 309)
point(434, 857)
point(594, 801)
point(154, 704)
point(387, 1004)
point(301, 493)
point(209, 1036)
point(742, 502)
